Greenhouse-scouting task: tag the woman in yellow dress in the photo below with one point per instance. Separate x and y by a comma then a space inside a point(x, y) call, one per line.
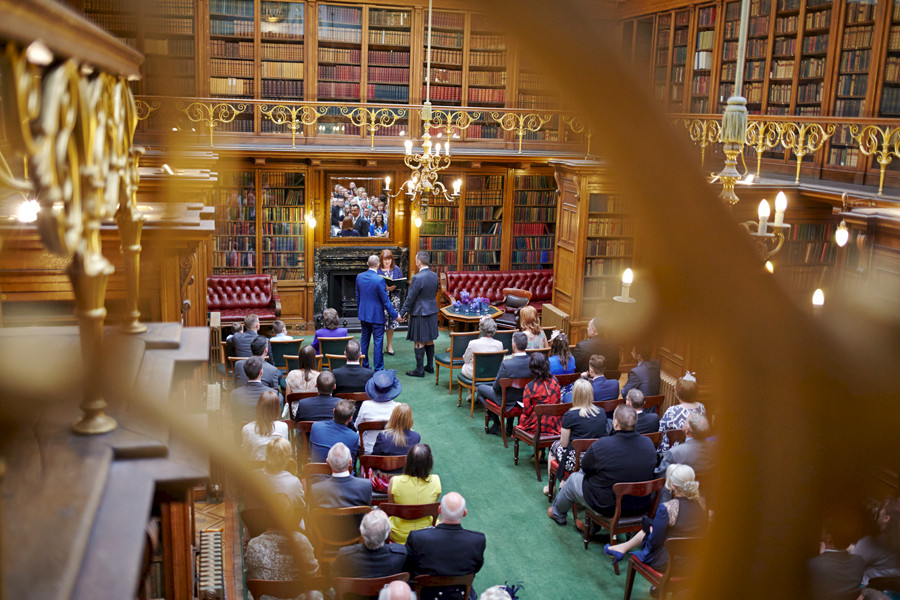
point(417, 485)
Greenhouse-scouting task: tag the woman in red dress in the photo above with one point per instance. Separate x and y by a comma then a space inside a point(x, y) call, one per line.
point(543, 389)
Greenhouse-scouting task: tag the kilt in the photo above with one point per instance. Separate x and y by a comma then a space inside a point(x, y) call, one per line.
point(423, 329)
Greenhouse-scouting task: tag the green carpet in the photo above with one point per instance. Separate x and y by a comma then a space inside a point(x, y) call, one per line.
point(504, 500)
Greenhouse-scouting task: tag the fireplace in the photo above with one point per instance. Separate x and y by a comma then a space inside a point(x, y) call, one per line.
point(335, 270)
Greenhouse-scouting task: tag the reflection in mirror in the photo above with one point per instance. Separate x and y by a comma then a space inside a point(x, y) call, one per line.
point(359, 207)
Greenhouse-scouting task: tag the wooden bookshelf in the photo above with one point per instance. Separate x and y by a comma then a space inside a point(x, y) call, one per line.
point(234, 241)
point(482, 241)
point(756, 64)
point(340, 70)
point(439, 233)
point(816, 33)
point(680, 40)
point(487, 61)
point(281, 53)
point(448, 37)
point(662, 55)
point(890, 92)
point(534, 222)
point(782, 75)
point(609, 249)
point(388, 56)
point(282, 223)
point(701, 72)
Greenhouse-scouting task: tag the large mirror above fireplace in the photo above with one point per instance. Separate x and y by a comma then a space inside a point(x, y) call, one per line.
point(358, 208)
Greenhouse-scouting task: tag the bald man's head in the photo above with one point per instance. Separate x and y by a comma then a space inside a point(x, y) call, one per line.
point(396, 590)
point(453, 508)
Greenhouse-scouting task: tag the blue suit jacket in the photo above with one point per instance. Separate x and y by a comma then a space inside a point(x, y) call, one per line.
point(645, 377)
point(605, 389)
point(372, 297)
point(325, 434)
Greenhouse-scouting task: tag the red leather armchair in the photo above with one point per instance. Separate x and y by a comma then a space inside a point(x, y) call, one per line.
point(236, 296)
point(490, 284)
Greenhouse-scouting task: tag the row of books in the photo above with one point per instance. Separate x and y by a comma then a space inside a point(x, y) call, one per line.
point(606, 203)
point(855, 61)
point(446, 94)
point(677, 75)
point(786, 5)
point(232, 213)
point(482, 242)
point(859, 12)
point(599, 288)
point(849, 108)
point(812, 67)
point(282, 179)
point(894, 39)
point(283, 213)
point(811, 253)
point(228, 49)
point(282, 229)
point(117, 23)
point(286, 30)
point(184, 8)
point(438, 243)
point(241, 179)
point(388, 57)
point(493, 78)
point(892, 69)
point(530, 102)
point(282, 197)
point(679, 55)
point(483, 213)
point(340, 55)
point(229, 244)
point(270, 51)
point(478, 183)
point(481, 96)
point(610, 227)
point(700, 85)
point(230, 86)
point(231, 28)
point(339, 72)
point(535, 214)
point(681, 37)
point(818, 20)
point(890, 101)
point(282, 70)
point(843, 157)
point(282, 244)
point(479, 260)
point(484, 132)
point(339, 34)
point(780, 93)
point(231, 68)
point(487, 59)
point(390, 18)
point(164, 66)
point(443, 213)
point(852, 85)
point(755, 49)
point(448, 20)
point(540, 242)
point(282, 88)
point(446, 57)
point(169, 25)
point(786, 24)
point(706, 16)
point(218, 271)
point(439, 227)
point(533, 81)
point(536, 197)
point(544, 182)
point(231, 8)
point(345, 15)
point(286, 274)
point(169, 47)
point(700, 105)
point(338, 90)
point(703, 60)
point(605, 266)
point(533, 256)
point(599, 248)
point(386, 37)
point(842, 135)
point(388, 75)
point(291, 259)
point(487, 42)
point(857, 37)
point(783, 69)
point(379, 92)
point(234, 259)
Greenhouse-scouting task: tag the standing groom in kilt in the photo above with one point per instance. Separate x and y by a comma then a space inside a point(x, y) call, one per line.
point(421, 305)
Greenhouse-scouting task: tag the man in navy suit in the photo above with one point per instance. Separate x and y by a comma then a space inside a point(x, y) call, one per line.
point(371, 301)
point(341, 489)
point(421, 305)
point(271, 375)
point(326, 434)
point(243, 399)
point(604, 389)
point(446, 549)
point(645, 376)
point(352, 377)
point(514, 367)
point(321, 407)
point(647, 422)
point(372, 558)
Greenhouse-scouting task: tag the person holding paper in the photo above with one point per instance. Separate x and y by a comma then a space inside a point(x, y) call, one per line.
point(389, 269)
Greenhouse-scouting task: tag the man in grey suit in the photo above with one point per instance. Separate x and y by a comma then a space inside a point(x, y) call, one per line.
point(271, 375)
point(514, 367)
point(243, 399)
point(697, 452)
point(240, 342)
point(645, 376)
point(421, 305)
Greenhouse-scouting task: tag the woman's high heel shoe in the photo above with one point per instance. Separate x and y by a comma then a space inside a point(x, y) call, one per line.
point(616, 556)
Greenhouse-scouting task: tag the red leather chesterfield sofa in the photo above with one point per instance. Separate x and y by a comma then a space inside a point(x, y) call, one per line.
point(236, 296)
point(490, 284)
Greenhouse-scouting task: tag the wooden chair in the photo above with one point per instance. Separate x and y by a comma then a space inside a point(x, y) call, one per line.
point(368, 426)
point(579, 447)
point(290, 588)
point(280, 348)
point(514, 300)
point(453, 359)
point(619, 523)
point(505, 338)
point(425, 581)
point(333, 528)
point(504, 411)
point(412, 512)
point(567, 379)
point(232, 361)
point(355, 396)
point(676, 436)
point(544, 351)
point(293, 362)
point(335, 345)
point(382, 462)
point(679, 570)
point(301, 434)
point(310, 471)
point(608, 406)
point(653, 403)
point(335, 361)
point(655, 437)
point(356, 587)
point(256, 520)
point(296, 397)
point(538, 440)
point(484, 370)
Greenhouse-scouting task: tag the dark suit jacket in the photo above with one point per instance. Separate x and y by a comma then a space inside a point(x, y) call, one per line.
point(421, 299)
point(645, 377)
point(338, 492)
point(359, 561)
point(697, 454)
point(243, 401)
point(372, 297)
point(271, 375)
point(584, 349)
point(240, 345)
point(514, 368)
point(337, 216)
point(317, 408)
point(624, 456)
point(351, 378)
point(362, 226)
point(605, 389)
point(444, 550)
point(647, 422)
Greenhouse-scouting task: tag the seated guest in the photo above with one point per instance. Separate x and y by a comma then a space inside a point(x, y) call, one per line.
point(881, 552)
point(417, 485)
point(596, 343)
point(279, 331)
point(304, 377)
point(487, 327)
point(325, 434)
point(542, 389)
point(645, 376)
point(257, 434)
point(647, 422)
point(281, 555)
point(622, 457)
point(240, 342)
point(396, 590)
point(497, 592)
point(372, 558)
point(352, 377)
point(347, 229)
point(398, 436)
point(675, 416)
point(382, 388)
point(515, 367)
point(446, 549)
point(696, 452)
point(836, 574)
point(243, 400)
point(561, 360)
point(317, 408)
point(530, 325)
point(378, 228)
point(604, 389)
point(583, 421)
point(271, 375)
point(330, 328)
point(341, 489)
point(682, 516)
point(275, 477)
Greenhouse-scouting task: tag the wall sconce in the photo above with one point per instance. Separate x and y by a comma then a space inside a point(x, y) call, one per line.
point(311, 216)
point(818, 301)
point(770, 267)
point(842, 234)
point(627, 280)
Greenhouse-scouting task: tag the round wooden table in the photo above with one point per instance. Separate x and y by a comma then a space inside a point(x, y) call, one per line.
point(466, 322)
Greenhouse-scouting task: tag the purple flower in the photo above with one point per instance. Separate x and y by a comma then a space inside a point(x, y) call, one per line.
point(465, 297)
point(456, 305)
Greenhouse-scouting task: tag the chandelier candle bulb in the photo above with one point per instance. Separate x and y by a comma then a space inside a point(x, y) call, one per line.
point(763, 216)
point(387, 183)
point(408, 144)
point(818, 301)
point(770, 267)
point(842, 234)
point(437, 149)
point(456, 187)
point(447, 148)
point(780, 207)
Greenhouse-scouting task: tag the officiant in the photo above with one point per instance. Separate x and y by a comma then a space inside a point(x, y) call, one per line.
point(396, 290)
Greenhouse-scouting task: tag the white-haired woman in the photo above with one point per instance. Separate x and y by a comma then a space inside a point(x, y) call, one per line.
point(487, 327)
point(682, 516)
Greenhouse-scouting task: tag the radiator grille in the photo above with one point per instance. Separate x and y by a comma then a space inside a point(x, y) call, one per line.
point(210, 571)
point(667, 389)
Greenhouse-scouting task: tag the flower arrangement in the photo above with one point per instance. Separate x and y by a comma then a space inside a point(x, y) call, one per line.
point(469, 305)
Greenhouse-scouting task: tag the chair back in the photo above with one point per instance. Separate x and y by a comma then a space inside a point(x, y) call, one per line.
point(232, 361)
point(544, 351)
point(681, 568)
point(335, 361)
point(638, 489)
point(333, 528)
point(412, 511)
point(459, 341)
point(653, 403)
point(366, 588)
point(485, 365)
point(368, 426)
point(676, 436)
point(282, 347)
point(290, 588)
point(615, 375)
point(291, 362)
point(257, 520)
point(311, 470)
point(655, 437)
point(609, 405)
point(505, 338)
point(568, 379)
point(383, 463)
point(355, 396)
point(553, 410)
point(508, 382)
point(426, 581)
point(296, 397)
point(518, 294)
point(335, 345)
point(579, 447)
point(301, 444)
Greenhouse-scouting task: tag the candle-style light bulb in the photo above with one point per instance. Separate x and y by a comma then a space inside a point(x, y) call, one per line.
point(456, 186)
point(842, 235)
point(387, 183)
point(818, 298)
point(627, 280)
point(628, 277)
point(763, 213)
point(770, 267)
point(408, 144)
point(437, 149)
point(780, 207)
point(418, 221)
point(447, 148)
point(311, 222)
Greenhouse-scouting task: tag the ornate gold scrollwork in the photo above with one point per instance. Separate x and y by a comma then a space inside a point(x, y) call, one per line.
point(520, 123)
point(884, 151)
point(453, 122)
point(144, 109)
point(211, 115)
point(372, 119)
point(804, 138)
point(295, 117)
point(578, 125)
point(703, 132)
point(762, 136)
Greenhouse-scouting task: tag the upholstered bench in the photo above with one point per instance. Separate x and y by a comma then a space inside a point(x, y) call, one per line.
point(490, 285)
point(236, 296)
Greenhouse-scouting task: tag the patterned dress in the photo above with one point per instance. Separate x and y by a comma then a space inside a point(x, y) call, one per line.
point(540, 392)
point(394, 296)
point(674, 418)
point(271, 556)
